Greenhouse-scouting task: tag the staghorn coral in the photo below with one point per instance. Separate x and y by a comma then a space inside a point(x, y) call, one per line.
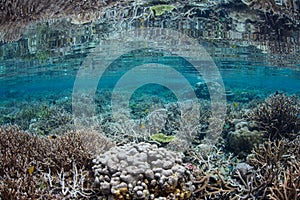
point(278, 116)
point(49, 167)
point(274, 171)
point(16, 159)
point(180, 120)
point(271, 172)
point(212, 174)
point(142, 171)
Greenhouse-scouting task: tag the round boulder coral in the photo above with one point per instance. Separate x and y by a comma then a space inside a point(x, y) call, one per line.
point(142, 171)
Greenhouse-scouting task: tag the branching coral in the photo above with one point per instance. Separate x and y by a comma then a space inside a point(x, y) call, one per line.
point(54, 167)
point(276, 170)
point(213, 173)
point(278, 116)
point(18, 154)
point(61, 168)
point(271, 172)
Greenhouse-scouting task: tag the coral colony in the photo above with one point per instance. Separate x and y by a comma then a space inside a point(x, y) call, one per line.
point(43, 155)
point(87, 164)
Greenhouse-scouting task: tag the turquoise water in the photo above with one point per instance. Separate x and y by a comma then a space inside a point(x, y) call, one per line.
point(242, 69)
point(36, 74)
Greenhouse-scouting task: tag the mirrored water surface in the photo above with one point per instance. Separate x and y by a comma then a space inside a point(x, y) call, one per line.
point(26, 69)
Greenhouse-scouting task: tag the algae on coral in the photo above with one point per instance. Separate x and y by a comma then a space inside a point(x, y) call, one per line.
point(159, 10)
point(162, 138)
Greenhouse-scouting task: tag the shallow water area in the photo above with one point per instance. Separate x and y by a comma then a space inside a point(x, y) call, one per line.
point(86, 71)
point(241, 68)
point(180, 101)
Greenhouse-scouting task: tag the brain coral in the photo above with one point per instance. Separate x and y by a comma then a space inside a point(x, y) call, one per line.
point(142, 171)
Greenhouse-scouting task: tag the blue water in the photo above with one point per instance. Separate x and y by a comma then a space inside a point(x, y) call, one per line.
point(242, 69)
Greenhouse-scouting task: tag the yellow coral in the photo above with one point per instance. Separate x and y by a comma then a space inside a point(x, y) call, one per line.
point(30, 170)
point(123, 190)
point(121, 193)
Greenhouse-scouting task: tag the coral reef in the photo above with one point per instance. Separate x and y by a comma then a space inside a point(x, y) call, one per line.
point(189, 120)
point(270, 172)
point(278, 116)
point(51, 120)
point(174, 119)
point(85, 165)
point(212, 172)
point(273, 172)
point(244, 137)
point(58, 167)
point(38, 118)
point(18, 113)
point(202, 89)
point(142, 171)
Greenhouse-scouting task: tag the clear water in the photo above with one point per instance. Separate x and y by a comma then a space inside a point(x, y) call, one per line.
point(196, 79)
point(42, 67)
point(242, 68)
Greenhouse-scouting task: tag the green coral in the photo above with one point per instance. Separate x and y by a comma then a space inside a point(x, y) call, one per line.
point(162, 138)
point(159, 10)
